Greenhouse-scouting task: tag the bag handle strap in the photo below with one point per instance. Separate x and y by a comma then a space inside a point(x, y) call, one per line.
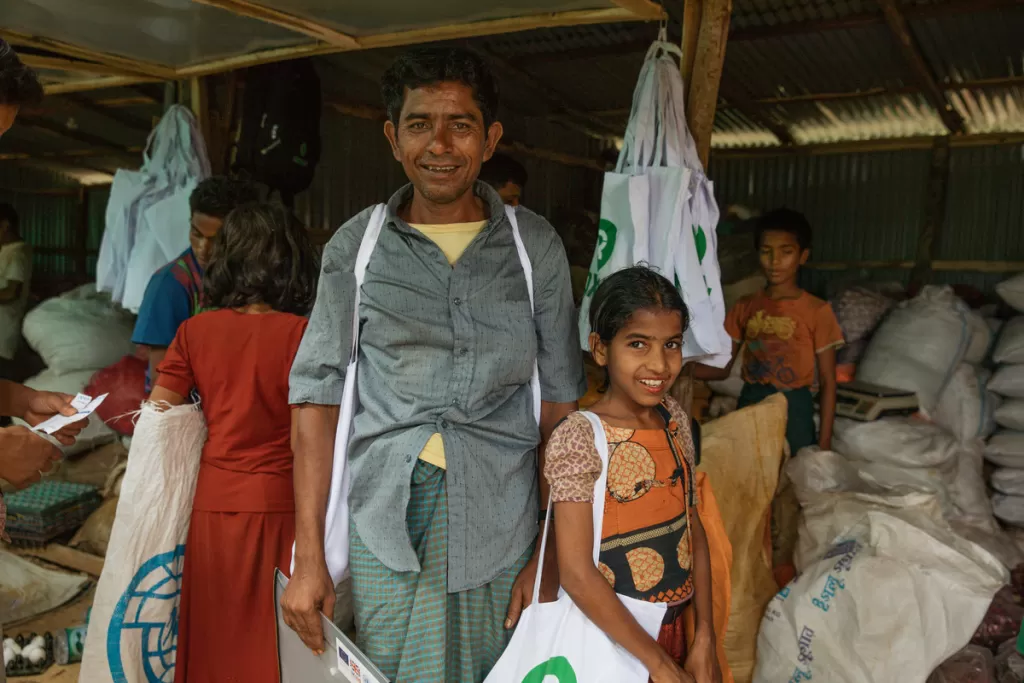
point(524, 260)
point(600, 486)
point(366, 247)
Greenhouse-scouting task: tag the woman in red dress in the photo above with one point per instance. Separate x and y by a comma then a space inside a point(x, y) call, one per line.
point(236, 357)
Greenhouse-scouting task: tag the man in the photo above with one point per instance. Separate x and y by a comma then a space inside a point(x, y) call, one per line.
point(443, 461)
point(174, 293)
point(15, 276)
point(507, 176)
point(18, 86)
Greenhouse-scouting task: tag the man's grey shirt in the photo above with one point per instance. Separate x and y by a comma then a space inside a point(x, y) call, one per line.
point(445, 349)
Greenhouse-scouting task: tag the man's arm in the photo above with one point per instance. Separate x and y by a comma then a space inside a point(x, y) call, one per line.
point(313, 430)
point(827, 396)
point(316, 385)
point(708, 373)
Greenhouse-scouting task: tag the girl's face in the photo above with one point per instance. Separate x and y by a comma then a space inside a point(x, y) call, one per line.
point(644, 358)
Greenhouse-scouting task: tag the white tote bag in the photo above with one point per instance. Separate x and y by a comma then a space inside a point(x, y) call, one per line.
point(555, 641)
point(336, 524)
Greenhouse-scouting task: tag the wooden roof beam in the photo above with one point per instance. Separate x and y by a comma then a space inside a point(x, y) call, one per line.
point(643, 9)
point(72, 65)
point(124, 64)
point(96, 84)
point(313, 29)
point(922, 72)
point(474, 29)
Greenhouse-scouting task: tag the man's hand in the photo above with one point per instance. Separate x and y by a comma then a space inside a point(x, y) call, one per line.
point(522, 589)
point(24, 456)
point(309, 593)
point(702, 659)
point(42, 405)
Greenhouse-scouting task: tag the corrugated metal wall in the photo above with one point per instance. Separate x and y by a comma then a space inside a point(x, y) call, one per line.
point(48, 209)
point(870, 206)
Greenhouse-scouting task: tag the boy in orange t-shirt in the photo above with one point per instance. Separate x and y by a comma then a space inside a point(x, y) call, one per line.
point(784, 331)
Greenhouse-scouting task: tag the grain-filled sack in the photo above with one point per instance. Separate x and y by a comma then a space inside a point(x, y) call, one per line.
point(1012, 291)
point(1008, 381)
point(1006, 449)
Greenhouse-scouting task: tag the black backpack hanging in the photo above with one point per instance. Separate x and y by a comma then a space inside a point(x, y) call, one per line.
point(278, 141)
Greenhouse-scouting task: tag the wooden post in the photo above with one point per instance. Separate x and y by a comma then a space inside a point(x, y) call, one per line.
point(707, 73)
point(703, 58)
point(692, 11)
point(934, 212)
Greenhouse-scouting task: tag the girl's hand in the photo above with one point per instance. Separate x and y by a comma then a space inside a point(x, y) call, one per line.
point(668, 671)
point(702, 659)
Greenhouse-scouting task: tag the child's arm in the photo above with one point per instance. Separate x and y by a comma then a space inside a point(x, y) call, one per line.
point(592, 594)
point(702, 659)
point(827, 396)
point(708, 373)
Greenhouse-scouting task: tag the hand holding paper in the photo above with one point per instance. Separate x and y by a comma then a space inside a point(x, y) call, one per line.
point(60, 415)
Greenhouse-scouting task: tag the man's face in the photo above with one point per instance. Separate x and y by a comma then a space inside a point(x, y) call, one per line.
point(202, 236)
point(7, 114)
point(441, 140)
point(510, 193)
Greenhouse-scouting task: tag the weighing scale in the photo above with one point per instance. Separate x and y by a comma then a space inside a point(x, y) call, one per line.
point(869, 402)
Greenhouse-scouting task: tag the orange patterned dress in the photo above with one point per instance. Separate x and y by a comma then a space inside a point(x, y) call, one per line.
point(646, 548)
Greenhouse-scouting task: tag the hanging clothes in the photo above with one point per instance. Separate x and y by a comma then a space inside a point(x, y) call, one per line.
point(147, 218)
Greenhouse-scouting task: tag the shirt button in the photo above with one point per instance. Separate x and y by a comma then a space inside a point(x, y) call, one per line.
point(457, 301)
point(444, 424)
point(462, 351)
point(408, 458)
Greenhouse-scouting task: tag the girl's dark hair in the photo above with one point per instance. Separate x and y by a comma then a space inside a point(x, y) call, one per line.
point(627, 291)
point(262, 256)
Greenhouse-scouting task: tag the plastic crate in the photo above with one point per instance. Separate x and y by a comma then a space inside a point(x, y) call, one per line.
point(48, 509)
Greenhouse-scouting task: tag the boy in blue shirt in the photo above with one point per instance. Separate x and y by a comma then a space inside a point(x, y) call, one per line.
point(174, 293)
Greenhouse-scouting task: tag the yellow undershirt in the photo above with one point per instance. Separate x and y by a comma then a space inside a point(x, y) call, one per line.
point(452, 239)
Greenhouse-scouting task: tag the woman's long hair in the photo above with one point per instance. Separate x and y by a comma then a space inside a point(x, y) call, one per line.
point(263, 255)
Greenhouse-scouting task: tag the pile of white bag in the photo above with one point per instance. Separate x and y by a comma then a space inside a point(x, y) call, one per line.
point(77, 334)
point(1005, 449)
point(147, 220)
point(921, 344)
point(886, 591)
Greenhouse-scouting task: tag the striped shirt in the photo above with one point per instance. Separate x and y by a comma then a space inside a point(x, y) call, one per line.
point(450, 350)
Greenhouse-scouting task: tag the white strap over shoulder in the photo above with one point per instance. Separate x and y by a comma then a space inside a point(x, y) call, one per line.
point(366, 247)
point(524, 260)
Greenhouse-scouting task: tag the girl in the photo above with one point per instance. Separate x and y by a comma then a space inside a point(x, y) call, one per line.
point(237, 357)
point(653, 545)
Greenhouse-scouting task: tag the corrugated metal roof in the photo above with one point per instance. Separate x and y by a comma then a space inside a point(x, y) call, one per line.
point(758, 13)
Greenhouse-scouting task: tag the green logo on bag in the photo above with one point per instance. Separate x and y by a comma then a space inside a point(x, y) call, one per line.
point(605, 242)
point(558, 668)
point(701, 240)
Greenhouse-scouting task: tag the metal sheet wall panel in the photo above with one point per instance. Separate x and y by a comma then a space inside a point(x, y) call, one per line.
point(862, 207)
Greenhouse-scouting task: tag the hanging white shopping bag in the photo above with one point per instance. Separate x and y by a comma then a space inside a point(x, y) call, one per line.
point(336, 523)
point(133, 627)
point(555, 641)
